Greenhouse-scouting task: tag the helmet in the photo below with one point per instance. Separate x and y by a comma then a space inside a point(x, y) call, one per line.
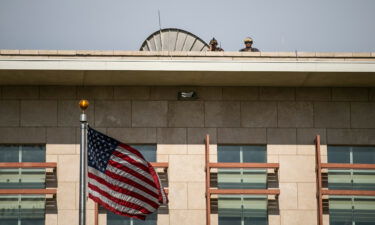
point(248, 39)
point(213, 41)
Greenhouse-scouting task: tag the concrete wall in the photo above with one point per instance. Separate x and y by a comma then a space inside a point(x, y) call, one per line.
point(286, 119)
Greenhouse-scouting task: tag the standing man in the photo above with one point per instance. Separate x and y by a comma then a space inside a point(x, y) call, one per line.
point(248, 43)
point(213, 46)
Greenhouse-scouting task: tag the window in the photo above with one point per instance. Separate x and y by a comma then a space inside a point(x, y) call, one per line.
point(351, 179)
point(16, 178)
point(351, 210)
point(22, 209)
point(242, 209)
point(149, 153)
point(114, 219)
point(242, 178)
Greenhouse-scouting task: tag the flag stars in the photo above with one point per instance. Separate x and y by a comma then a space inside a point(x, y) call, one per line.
point(100, 148)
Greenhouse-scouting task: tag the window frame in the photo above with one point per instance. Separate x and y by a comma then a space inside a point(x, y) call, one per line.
point(351, 173)
point(242, 171)
point(21, 174)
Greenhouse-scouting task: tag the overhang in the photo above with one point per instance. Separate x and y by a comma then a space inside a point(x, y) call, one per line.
point(179, 68)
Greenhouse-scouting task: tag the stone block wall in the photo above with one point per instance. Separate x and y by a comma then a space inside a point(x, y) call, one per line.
point(285, 119)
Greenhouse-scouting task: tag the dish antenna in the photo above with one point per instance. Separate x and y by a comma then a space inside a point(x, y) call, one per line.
point(173, 39)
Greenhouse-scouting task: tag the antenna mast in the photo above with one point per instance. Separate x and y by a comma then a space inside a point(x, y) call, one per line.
point(161, 37)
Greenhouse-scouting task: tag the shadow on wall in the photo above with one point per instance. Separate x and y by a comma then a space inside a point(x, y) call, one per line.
point(274, 136)
point(153, 115)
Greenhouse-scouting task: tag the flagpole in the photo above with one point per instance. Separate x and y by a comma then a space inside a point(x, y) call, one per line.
point(83, 104)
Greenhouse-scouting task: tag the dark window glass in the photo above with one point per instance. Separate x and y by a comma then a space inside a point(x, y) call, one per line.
point(8, 221)
point(255, 221)
point(242, 153)
point(150, 220)
point(229, 220)
point(338, 154)
point(351, 154)
point(255, 154)
point(148, 151)
point(22, 153)
point(364, 155)
point(32, 222)
point(9, 153)
point(349, 222)
point(228, 153)
point(114, 219)
point(33, 153)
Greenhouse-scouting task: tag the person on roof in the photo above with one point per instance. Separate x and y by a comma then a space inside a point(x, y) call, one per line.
point(248, 46)
point(213, 46)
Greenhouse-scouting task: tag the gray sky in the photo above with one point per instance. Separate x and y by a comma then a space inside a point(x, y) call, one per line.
point(275, 25)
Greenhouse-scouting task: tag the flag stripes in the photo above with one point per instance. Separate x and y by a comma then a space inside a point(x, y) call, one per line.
point(114, 210)
point(120, 173)
point(122, 187)
point(130, 195)
point(120, 179)
point(132, 208)
point(118, 163)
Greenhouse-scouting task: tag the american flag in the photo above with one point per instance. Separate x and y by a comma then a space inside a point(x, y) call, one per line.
point(120, 179)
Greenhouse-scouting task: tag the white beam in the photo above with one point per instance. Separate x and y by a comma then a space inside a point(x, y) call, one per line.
point(187, 65)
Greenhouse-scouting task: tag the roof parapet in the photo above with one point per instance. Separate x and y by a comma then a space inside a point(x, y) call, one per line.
point(109, 53)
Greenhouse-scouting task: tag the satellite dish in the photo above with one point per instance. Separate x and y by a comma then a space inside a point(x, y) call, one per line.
point(173, 39)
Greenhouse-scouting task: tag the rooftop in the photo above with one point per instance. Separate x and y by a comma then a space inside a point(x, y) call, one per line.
point(82, 67)
point(7, 52)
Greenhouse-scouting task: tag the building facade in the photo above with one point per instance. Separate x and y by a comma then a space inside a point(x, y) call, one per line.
point(262, 112)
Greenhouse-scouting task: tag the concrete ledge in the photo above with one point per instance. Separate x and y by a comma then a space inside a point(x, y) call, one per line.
point(29, 52)
point(82, 67)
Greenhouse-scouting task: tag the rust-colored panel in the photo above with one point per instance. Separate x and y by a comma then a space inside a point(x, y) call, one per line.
point(27, 191)
point(160, 164)
point(245, 191)
point(28, 165)
point(348, 192)
point(245, 165)
point(348, 166)
point(318, 164)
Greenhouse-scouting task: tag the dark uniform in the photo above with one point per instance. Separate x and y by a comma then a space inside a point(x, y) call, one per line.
point(213, 46)
point(249, 50)
point(217, 49)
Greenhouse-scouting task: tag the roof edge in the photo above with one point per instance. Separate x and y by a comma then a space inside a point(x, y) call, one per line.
point(109, 53)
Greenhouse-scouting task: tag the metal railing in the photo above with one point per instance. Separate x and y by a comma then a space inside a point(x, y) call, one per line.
point(29, 165)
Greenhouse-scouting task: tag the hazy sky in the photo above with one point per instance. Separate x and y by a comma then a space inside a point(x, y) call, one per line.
point(275, 25)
